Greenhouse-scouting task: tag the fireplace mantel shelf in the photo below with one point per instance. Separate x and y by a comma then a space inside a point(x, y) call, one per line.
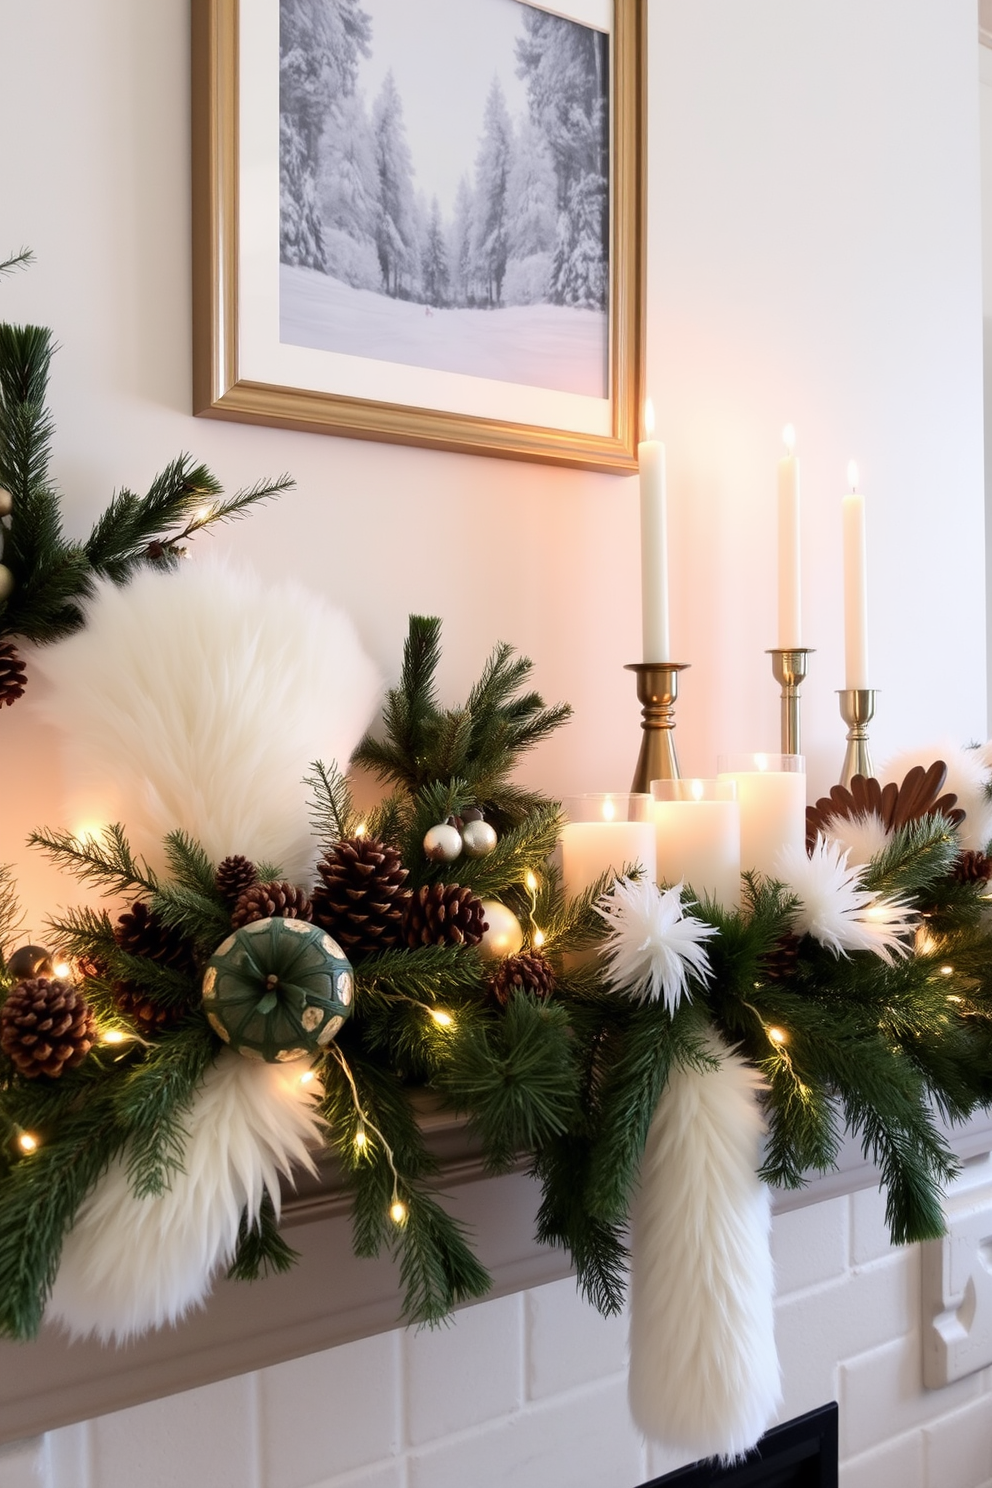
point(330, 1297)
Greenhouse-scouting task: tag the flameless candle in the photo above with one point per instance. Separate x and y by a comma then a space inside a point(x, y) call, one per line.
point(654, 543)
point(698, 838)
point(855, 586)
point(605, 834)
point(790, 628)
point(771, 794)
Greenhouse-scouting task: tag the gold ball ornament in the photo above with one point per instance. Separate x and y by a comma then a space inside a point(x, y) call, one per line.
point(6, 582)
point(6, 502)
point(504, 934)
point(31, 961)
point(443, 843)
point(478, 839)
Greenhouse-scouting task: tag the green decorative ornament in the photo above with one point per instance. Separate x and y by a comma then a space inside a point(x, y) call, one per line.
point(278, 989)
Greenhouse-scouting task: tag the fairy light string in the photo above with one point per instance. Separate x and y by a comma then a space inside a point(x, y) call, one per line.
point(397, 1208)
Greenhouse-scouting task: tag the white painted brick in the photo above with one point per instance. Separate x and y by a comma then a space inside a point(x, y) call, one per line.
point(958, 1448)
point(183, 1441)
point(329, 1412)
point(869, 1231)
point(899, 1464)
point(469, 1372)
point(584, 1440)
point(568, 1342)
point(68, 1453)
point(22, 1464)
point(810, 1245)
point(882, 1395)
point(390, 1474)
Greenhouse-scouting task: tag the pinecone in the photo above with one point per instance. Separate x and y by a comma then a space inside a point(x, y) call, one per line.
point(528, 972)
point(444, 914)
point(46, 1026)
point(13, 674)
point(140, 932)
point(361, 898)
point(233, 876)
point(895, 805)
point(971, 867)
point(781, 961)
point(147, 1015)
point(277, 899)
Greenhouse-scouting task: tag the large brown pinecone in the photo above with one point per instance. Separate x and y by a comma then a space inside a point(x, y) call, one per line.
point(896, 806)
point(528, 972)
point(140, 932)
point(46, 1026)
point(276, 900)
point(13, 674)
point(146, 1012)
point(971, 867)
point(444, 914)
point(781, 961)
point(233, 876)
point(362, 896)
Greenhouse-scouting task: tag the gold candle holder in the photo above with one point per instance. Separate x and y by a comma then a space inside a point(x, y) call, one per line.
point(789, 671)
point(857, 708)
point(657, 690)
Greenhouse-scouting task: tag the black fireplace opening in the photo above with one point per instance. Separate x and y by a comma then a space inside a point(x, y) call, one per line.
point(801, 1453)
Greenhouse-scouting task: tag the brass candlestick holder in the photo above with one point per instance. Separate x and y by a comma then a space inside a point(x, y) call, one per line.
point(857, 708)
point(789, 671)
point(657, 690)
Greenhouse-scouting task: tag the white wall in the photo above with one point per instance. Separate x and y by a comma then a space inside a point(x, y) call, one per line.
point(814, 257)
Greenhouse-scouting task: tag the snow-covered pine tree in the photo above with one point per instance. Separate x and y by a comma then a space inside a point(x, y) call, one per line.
point(434, 261)
point(533, 219)
point(320, 42)
point(348, 188)
point(492, 178)
point(460, 244)
point(579, 268)
point(396, 227)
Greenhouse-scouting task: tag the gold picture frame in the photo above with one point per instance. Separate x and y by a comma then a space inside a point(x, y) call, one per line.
point(226, 380)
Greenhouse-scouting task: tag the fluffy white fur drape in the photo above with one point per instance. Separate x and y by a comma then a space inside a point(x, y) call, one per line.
point(704, 1372)
point(131, 1264)
point(198, 699)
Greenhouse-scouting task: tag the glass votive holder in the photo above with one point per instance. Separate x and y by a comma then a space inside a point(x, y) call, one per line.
point(698, 837)
point(771, 792)
point(604, 833)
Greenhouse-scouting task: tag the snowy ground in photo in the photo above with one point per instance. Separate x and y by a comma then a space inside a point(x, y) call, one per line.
point(546, 346)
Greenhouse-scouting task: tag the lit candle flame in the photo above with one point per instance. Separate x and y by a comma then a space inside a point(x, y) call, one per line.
point(852, 474)
point(789, 439)
point(648, 419)
point(697, 790)
point(609, 810)
point(761, 762)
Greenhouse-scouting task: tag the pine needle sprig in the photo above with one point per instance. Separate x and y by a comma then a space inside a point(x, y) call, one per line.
point(597, 1249)
point(261, 1249)
point(190, 866)
point(203, 919)
point(17, 261)
point(152, 1100)
point(11, 915)
point(915, 857)
point(332, 810)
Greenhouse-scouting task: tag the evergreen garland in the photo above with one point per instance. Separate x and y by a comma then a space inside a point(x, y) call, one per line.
point(567, 1083)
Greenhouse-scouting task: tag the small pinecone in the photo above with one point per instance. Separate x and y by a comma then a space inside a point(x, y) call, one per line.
point(13, 674)
point(444, 914)
point(277, 900)
point(140, 932)
point(147, 1015)
point(528, 972)
point(971, 867)
point(46, 1026)
point(361, 898)
point(233, 876)
point(780, 962)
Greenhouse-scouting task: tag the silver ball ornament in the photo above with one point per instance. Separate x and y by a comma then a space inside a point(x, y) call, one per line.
point(478, 838)
point(6, 582)
point(6, 502)
point(504, 934)
point(443, 844)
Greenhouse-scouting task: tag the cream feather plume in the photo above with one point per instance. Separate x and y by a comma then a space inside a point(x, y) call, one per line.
point(198, 699)
point(653, 946)
point(704, 1372)
point(836, 908)
point(130, 1264)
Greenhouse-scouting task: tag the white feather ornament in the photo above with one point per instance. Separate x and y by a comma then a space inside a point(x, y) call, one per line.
point(968, 776)
point(130, 1264)
point(653, 946)
point(835, 907)
point(862, 836)
point(198, 699)
point(704, 1372)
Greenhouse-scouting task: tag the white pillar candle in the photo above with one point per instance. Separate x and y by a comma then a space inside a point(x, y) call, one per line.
point(790, 627)
point(698, 840)
point(654, 543)
point(771, 794)
point(600, 838)
point(855, 586)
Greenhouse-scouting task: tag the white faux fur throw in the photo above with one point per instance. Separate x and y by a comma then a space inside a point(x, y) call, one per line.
point(131, 1264)
point(704, 1372)
point(199, 699)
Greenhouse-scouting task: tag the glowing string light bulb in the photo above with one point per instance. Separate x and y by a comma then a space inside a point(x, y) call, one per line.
point(28, 1142)
point(778, 1036)
point(113, 1036)
point(62, 970)
point(361, 1137)
point(441, 1018)
point(398, 1212)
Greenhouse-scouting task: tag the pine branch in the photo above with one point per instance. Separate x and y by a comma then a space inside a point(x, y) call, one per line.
point(261, 1249)
point(203, 920)
point(332, 812)
point(190, 866)
point(18, 261)
point(106, 860)
point(11, 916)
point(152, 1101)
point(563, 1220)
point(914, 857)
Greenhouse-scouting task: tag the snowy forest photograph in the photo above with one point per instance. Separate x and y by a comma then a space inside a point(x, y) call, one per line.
point(445, 188)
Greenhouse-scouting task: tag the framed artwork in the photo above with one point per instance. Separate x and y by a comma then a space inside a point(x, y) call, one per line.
point(422, 221)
